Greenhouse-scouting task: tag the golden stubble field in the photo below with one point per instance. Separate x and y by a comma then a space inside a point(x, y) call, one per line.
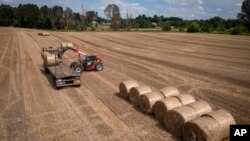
point(215, 68)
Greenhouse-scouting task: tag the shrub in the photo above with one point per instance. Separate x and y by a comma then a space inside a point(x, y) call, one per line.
point(194, 27)
point(239, 30)
point(206, 28)
point(166, 27)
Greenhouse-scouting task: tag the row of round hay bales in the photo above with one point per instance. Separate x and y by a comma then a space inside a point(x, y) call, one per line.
point(181, 114)
point(213, 126)
point(146, 99)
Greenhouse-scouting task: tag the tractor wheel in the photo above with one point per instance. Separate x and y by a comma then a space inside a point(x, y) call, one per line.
point(99, 67)
point(78, 68)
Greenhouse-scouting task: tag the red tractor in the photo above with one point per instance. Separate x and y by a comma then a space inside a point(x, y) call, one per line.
point(87, 62)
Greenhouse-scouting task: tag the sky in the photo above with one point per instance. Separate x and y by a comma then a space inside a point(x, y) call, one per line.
point(186, 9)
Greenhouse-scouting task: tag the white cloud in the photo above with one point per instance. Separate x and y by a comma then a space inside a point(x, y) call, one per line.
point(133, 7)
point(218, 9)
point(187, 9)
point(184, 2)
point(7, 1)
point(239, 4)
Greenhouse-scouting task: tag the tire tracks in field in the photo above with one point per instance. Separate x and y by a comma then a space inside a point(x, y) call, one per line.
point(163, 40)
point(195, 43)
point(202, 37)
point(14, 118)
point(173, 51)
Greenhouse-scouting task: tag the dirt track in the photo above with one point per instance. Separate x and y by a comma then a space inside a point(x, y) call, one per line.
point(215, 68)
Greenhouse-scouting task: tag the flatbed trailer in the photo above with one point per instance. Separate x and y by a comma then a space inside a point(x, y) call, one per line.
point(63, 75)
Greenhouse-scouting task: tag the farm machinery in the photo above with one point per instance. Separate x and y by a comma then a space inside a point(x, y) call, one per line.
point(64, 75)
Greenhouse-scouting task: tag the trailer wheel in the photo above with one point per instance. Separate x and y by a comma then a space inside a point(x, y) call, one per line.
point(73, 64)
point(58, 88)
point(46, 70)
point(99, 67)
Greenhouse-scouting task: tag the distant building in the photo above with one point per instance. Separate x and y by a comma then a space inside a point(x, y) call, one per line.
point(94, 24)
point(154, 24)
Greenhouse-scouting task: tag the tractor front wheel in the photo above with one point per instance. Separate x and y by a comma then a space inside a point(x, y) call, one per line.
point(99, 67)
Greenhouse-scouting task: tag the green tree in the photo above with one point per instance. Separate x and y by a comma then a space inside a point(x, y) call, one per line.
point(27, 15)
point(68, 17)
point(245, 10)
point(245, 13)
point(193, 27)
point(57, 17)
point(112, 11)
point(6, 15)
point(91, 16)
point(44, 19)
point(217, 22)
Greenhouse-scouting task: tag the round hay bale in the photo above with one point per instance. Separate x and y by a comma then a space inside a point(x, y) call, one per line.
point(224, 119)
point(202, 129)
point(136, 92)
point(50, 60)
point(169, 91)
point(175, 119)
point(201, 107)
point(46, 33)
point(148, 100)
point(185, 98)
point(66, 44)
point(161, 107)
point(125, 87)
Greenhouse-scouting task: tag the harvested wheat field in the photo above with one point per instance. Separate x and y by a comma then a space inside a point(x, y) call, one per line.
point(214, 68)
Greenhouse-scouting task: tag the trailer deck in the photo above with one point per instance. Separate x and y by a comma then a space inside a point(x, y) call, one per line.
point(64, 76)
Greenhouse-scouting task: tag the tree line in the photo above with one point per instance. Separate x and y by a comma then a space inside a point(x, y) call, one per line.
point(31, 16)
point(57, 18)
